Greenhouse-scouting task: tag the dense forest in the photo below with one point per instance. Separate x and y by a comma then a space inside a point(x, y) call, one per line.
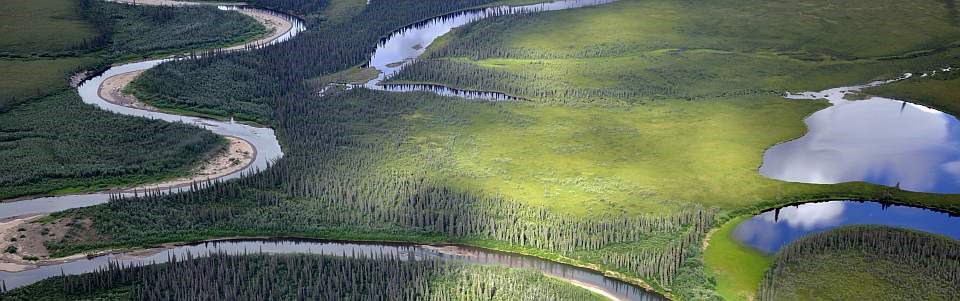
point(251, 83)
point(51, 141)
point(866, 262)
point(47, 145)
point(220, 276)
point(332, 183)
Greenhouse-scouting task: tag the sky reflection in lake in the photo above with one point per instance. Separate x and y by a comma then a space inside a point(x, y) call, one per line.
point(771, 230)
point(877, 140)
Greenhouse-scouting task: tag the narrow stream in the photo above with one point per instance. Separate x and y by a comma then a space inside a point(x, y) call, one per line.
point(407, 44)
point(264, 140)
point(612, 286)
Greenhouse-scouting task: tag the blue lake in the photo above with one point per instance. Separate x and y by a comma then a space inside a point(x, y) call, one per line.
point(877, 140)
point(771, 230)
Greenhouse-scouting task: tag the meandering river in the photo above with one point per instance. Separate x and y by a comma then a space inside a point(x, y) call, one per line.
point(264, 140)
point(268, 148)
point(406, 44)
point(609, 286)
point(877, 140)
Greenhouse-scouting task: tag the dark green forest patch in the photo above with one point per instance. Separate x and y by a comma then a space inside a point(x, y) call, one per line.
point(866, 263)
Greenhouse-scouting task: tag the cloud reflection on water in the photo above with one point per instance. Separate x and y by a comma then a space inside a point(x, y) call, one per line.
point(771, 230)
point(877, 140)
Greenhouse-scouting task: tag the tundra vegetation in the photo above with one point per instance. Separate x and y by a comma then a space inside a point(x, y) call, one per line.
point(938, 91)
point(867, 263)
point(637, 138)
point(53, 143)
point(220, 276)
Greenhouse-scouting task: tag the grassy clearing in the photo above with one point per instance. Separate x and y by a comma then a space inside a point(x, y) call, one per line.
point(694, 50)
point(737, 268)
point(32, 78)
point(40, 26)
point(816, 29)
point(593, 161)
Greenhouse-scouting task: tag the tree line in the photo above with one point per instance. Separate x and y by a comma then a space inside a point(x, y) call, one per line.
point(538, 86)
point(220, 276)
point(916, 263)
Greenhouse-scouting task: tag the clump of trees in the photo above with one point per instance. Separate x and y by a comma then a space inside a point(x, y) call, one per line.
point(221, 276)
point(911, 265)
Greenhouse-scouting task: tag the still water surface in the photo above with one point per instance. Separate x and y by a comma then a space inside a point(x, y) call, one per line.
point(877, 140)
point(771, 230)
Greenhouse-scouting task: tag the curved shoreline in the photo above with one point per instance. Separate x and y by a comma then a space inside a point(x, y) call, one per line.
point(796, 160)
point(277, 27)
point(462, 250)
point(240, 155)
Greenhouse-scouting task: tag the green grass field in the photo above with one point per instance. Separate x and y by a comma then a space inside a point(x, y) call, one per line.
point(22, 79)
point(941, 91)
point(41, 26)
point(661, 156)
point(656, 158)
point(816, 29)
point(685, 49)
point(739, 267)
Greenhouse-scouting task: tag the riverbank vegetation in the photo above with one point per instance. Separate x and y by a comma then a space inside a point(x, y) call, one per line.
point(53, 143)
point(737, 267)
point(868, 263)
point(220, 276)
point(940, 91)
point(250, 83)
